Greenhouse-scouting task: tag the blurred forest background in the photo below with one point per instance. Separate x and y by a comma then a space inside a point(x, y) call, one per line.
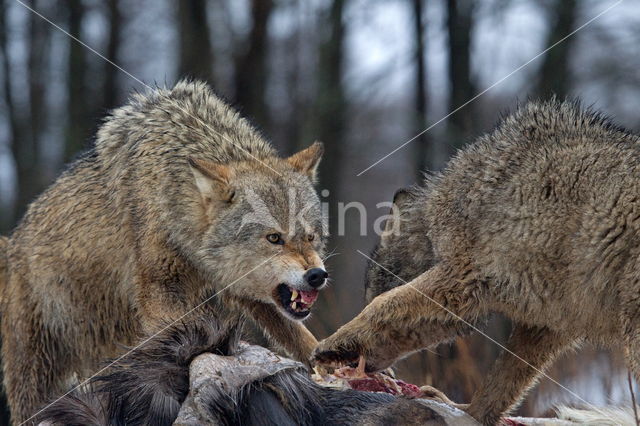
point(364, 76)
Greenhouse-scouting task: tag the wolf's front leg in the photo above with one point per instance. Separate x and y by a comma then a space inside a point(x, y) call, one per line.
point(531, 349)
point(291, 335)
point(421, 313)
point(30, 379)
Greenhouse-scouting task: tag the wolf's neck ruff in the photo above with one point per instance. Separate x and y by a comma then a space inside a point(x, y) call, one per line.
point(195, 119)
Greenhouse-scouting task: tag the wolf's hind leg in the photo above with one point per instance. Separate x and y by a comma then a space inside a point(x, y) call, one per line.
point(419, 314)
point(512, 375)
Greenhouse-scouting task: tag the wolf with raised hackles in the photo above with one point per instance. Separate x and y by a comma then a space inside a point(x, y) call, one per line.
point(146, 226)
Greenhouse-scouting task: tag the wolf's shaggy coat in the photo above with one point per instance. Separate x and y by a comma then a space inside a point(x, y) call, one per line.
point(143, 228)
point(538, 220)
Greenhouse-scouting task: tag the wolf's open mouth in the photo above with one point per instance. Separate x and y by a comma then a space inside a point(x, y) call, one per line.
point(297, 302)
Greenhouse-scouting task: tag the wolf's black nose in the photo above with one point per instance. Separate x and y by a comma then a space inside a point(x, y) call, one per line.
point(315, 277)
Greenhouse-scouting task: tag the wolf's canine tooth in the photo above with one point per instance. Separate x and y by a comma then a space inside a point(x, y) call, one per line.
point(294, 295)
point(293, 305)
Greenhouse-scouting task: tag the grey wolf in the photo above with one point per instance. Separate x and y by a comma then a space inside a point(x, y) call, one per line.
point(538, 220)
point(147, 225)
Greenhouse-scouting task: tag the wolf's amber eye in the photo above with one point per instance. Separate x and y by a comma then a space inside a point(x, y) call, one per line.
point(311, 237)
point(275, 238)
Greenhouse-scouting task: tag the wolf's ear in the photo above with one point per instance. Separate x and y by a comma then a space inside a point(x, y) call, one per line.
point(213, 180)
point(400, 199)
point(307, 160)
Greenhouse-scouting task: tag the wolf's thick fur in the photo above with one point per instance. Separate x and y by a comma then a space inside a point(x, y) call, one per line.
point(538, 220)
point(146, 226)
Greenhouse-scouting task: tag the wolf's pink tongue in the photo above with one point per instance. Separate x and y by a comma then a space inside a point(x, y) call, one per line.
point(309, 297)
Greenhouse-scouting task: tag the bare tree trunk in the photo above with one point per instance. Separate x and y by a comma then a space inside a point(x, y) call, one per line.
point(554, 73)
point(24, 131)
point(77, 124)
point(297, 117)
point(331, 105)
point(422, 143)
point(251, 66)
point(37, 69)
point(303, 44)
point(459, 25)
point(196, 53)
point(110, 86)
point(330, 128)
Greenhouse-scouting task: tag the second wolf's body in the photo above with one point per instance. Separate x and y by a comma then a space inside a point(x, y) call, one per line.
point(144, 228)
point(540, 221)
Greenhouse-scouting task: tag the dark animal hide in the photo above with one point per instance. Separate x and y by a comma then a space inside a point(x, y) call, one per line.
point(149, 385)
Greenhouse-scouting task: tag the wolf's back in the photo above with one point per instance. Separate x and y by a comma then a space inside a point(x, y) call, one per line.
point(552, 121)
point(188, 117)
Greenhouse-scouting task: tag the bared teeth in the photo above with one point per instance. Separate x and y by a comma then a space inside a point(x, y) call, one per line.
point(293, 305)
point(294, 295)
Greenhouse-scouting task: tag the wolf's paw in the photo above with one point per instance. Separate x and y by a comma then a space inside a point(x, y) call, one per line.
point(326, 353)
point(349, 343)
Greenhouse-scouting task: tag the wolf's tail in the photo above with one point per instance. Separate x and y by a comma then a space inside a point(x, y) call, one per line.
point(4, 267)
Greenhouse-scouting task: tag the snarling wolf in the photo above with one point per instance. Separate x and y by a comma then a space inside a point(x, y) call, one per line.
point(180, 200)
point(538, 220)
